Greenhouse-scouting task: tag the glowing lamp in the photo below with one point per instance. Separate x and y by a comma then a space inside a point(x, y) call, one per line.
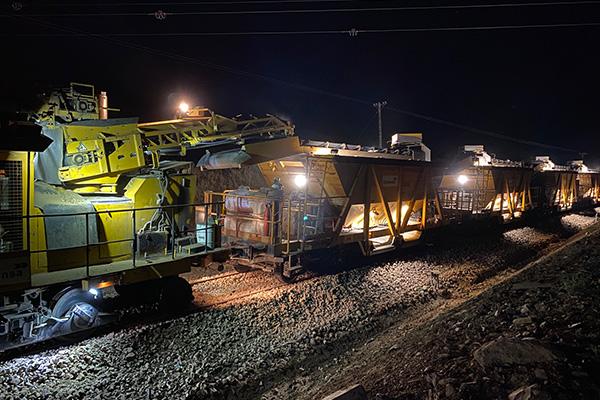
point(300, 180)
point(462, 179)
point(184, 107)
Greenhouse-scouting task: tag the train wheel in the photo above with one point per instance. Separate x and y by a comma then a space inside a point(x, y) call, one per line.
point(176, 294)
point(76, 311)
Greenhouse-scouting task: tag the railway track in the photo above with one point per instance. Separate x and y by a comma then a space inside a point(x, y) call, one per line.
point(216, 277)
point(144, 314)
point(231, 299)
point(259, 330)
point(250, 284)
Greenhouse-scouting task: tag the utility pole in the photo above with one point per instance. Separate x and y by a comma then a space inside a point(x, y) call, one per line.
point(379, 105)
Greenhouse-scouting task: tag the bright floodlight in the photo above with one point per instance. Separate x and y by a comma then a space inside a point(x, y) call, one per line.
point(184, 107)
point(300, 180)
point(93, 292)
point(462, 179)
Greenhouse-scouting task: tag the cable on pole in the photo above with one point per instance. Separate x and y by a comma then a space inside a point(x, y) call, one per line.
point(185, 59)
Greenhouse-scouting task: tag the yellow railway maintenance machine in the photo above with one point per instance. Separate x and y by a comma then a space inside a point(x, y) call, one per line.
point(326, 196)
point(100, 202)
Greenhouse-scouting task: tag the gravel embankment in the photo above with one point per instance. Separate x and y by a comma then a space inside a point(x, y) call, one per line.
point(577, 222)
point(535, 335)
point(238, 350)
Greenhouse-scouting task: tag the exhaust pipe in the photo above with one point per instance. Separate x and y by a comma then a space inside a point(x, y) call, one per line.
point(103, 105)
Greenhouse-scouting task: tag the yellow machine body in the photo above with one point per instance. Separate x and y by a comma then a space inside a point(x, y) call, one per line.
point(78, 101)
point(95, 168)
point(15, 183)
point(93, 202)
point(27, 261)
point(114, 217)
point(119, 190)
point(98, 153)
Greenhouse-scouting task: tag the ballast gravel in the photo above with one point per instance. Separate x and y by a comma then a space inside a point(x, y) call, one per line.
point(239, 350)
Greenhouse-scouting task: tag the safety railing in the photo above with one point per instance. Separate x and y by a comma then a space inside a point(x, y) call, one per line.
point(218, 212)
point(479, 201)
point(466, 200)
point(179, 236)
point(289, 219)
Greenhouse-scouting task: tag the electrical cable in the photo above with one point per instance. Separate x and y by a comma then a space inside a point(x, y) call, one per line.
point(351, 32)
point(311, 11)
point(194, 3)
point(301, 87)
point(368, 121)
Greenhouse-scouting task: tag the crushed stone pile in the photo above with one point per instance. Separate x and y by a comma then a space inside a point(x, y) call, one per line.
point(237, 350)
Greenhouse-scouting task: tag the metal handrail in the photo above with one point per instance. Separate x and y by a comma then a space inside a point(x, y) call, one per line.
point(133, 237)
point(120, 210)
point(289, 204)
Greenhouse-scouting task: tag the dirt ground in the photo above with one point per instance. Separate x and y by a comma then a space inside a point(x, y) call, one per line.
point(529, 334)
point(423, 323)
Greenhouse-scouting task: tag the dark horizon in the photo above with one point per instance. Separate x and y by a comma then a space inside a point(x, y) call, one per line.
point(536, 84)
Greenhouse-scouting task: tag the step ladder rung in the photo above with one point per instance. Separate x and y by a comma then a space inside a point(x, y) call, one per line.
point(383, 249)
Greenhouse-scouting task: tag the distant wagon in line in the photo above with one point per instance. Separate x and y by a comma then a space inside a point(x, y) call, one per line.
point(482, 186)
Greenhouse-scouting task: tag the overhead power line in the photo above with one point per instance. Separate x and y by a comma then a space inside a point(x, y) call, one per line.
point(301, 87)
point(351, 32)
point(323, 10)
point(193, 3)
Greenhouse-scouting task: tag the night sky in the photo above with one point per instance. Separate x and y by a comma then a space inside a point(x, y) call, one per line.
point(531, 84)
